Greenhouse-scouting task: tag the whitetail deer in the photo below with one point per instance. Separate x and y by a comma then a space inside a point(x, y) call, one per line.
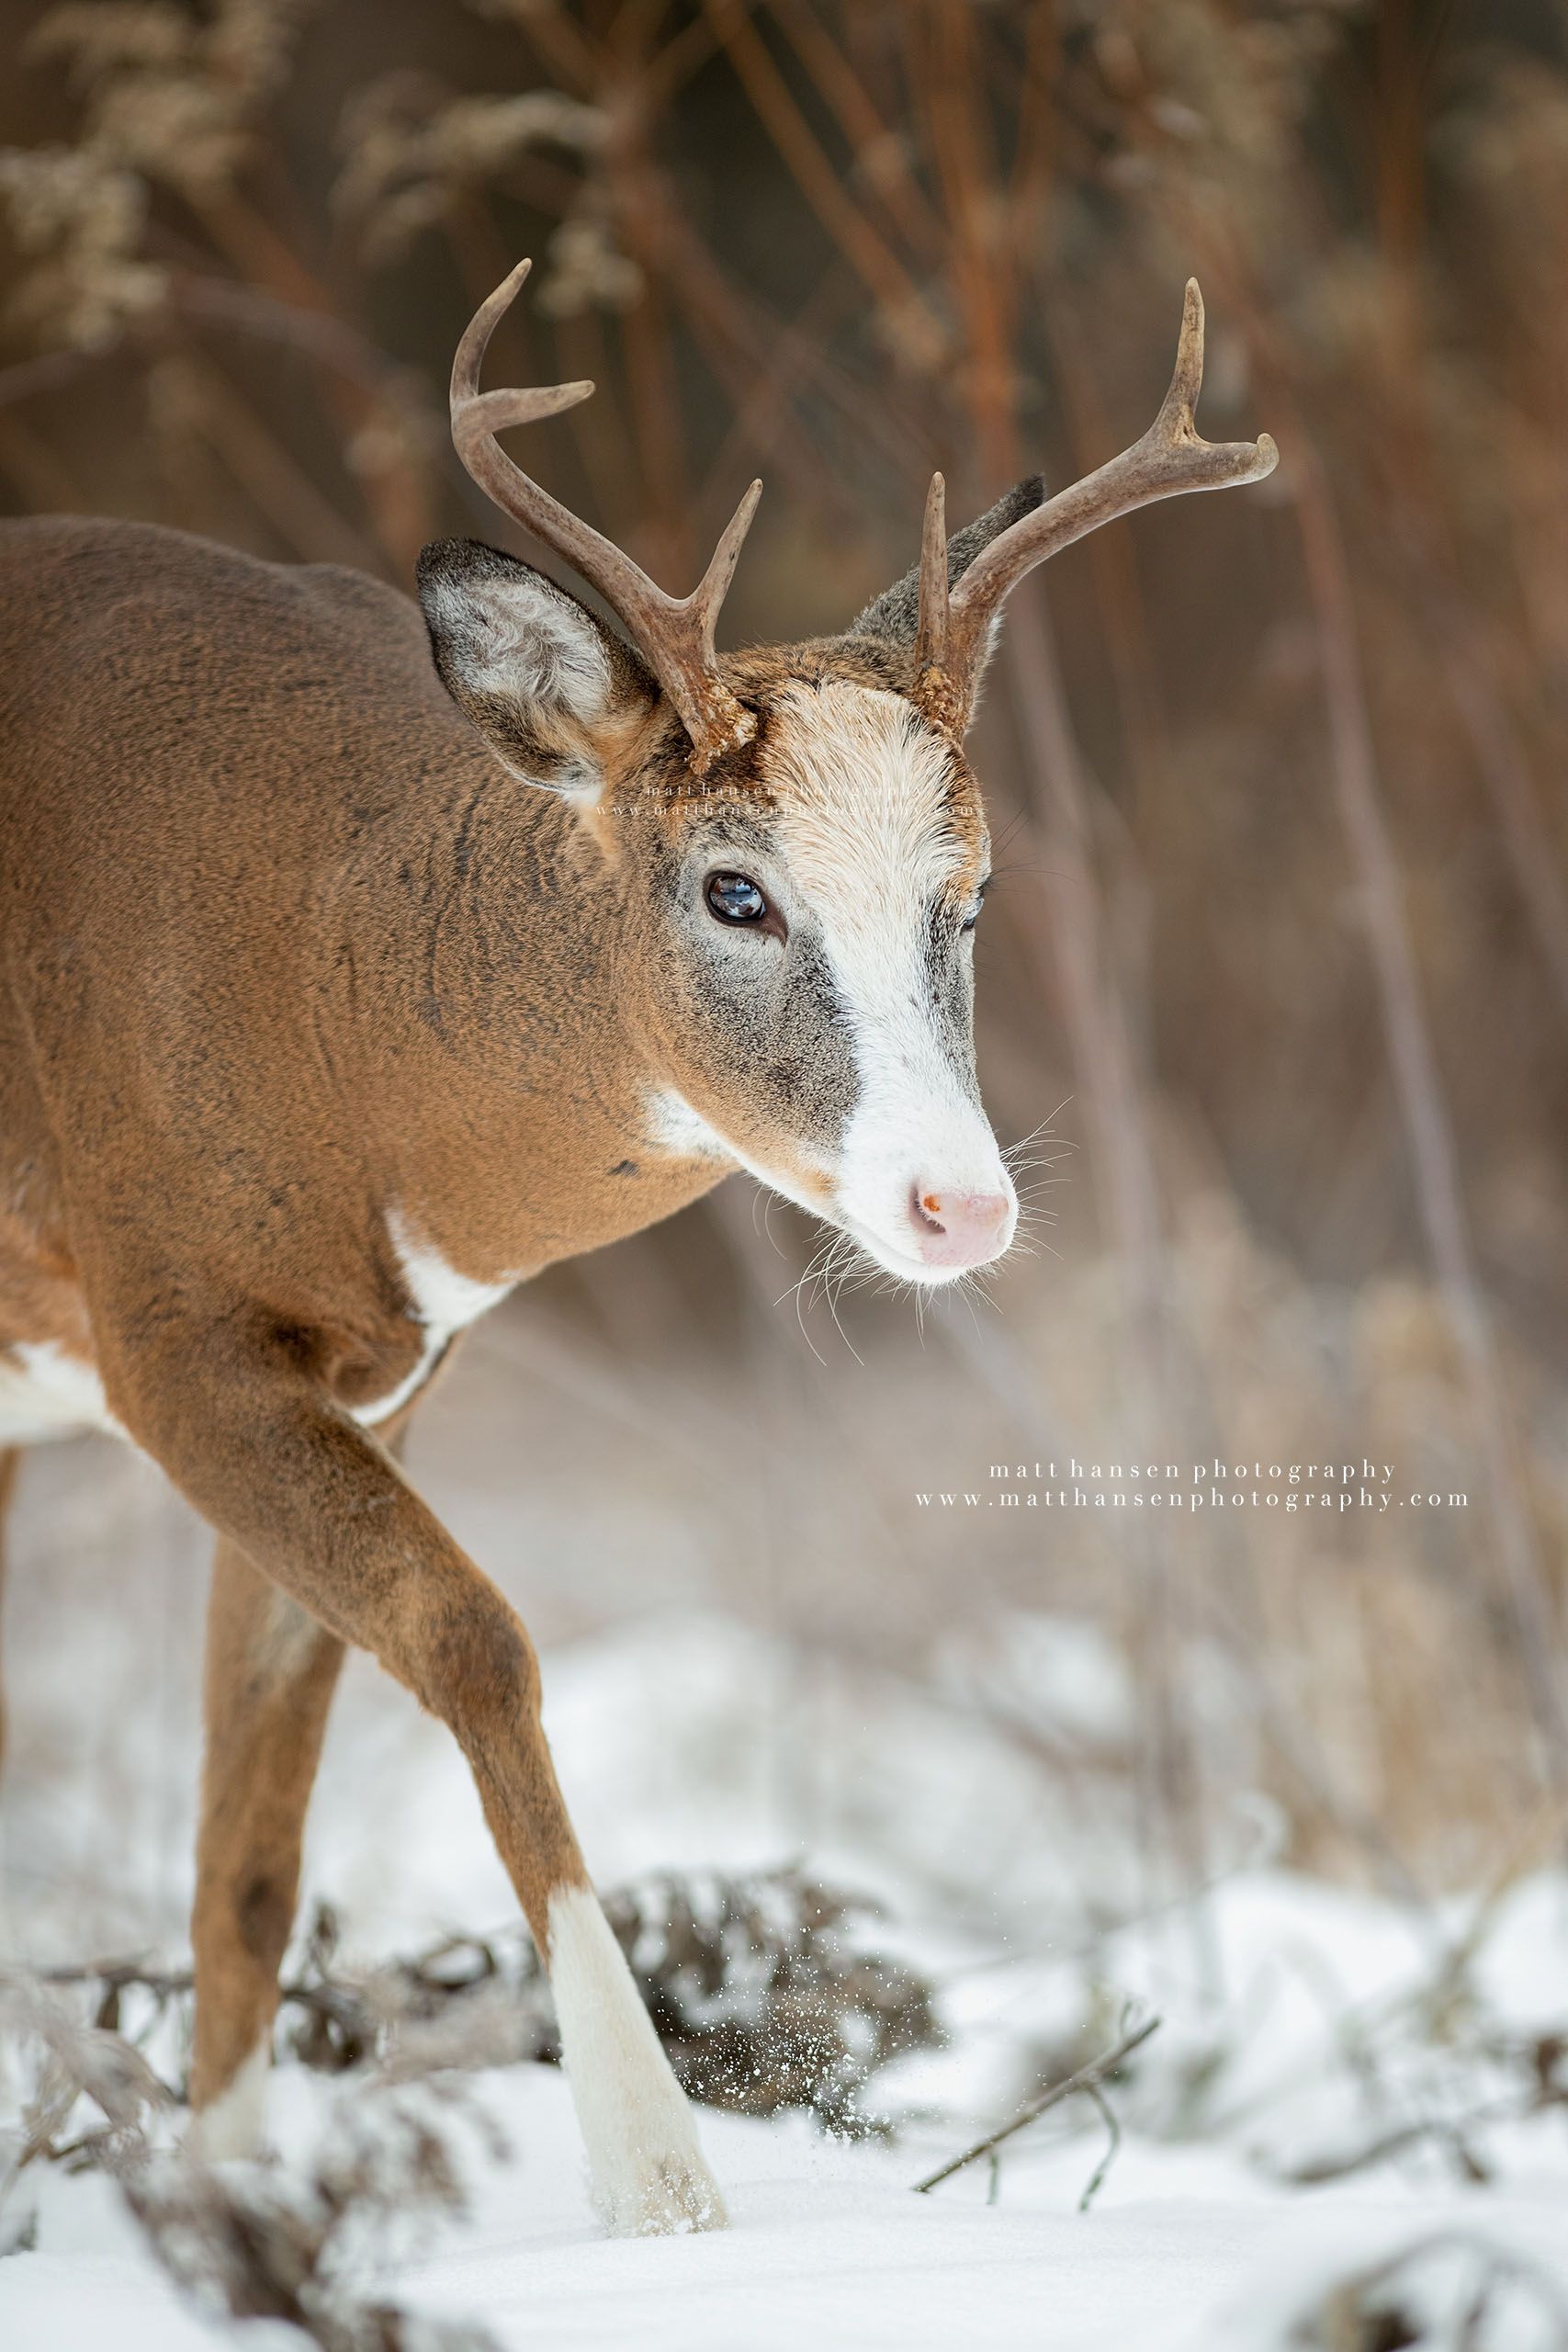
point(342, 991)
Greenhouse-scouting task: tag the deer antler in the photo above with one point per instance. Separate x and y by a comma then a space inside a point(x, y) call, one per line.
point(674, 633)
point(1172, 458)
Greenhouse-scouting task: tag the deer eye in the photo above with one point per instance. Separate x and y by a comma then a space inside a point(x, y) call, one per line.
point(735, 897)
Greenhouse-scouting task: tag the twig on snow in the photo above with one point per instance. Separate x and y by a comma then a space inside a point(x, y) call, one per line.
point(1087, 2078)
point(1096, 2180)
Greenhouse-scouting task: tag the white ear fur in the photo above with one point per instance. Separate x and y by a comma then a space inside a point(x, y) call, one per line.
point(515, 633)
point(534, 671)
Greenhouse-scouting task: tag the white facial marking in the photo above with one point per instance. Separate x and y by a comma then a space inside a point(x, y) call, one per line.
point(234, 2123)
point(676, 1127)
point(649, 2179)
point(865, 821)
point(444, 1302)
point(45, 1393)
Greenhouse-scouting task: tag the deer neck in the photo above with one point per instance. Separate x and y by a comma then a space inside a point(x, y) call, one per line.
point(475, 966)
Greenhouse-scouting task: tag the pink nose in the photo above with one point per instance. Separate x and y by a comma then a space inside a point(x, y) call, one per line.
point(954, 1228)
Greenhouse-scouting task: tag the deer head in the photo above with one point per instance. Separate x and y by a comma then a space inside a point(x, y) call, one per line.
point(786, 847)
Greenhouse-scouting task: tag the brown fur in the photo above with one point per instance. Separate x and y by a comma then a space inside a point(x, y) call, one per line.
point(284, 945)
point(270, 1679)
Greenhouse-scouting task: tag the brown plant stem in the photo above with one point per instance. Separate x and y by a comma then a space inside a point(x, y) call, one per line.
point(1433, 1155)
point(1087, 2078)
point(886, 276)
point(1110, 1087)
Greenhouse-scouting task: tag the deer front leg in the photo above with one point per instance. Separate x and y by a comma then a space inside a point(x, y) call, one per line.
point(234, 1417)
point(271, 1670)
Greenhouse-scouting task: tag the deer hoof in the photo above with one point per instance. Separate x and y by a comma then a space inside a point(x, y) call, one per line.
point(671, 2199)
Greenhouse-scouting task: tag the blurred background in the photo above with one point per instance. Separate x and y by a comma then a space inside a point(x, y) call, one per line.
point(1274, 978)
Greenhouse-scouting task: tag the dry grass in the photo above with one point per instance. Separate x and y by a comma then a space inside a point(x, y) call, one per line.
point(1281, 905)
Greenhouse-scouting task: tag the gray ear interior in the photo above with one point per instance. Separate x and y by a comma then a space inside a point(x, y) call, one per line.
point(896, 612)
point(527, 664)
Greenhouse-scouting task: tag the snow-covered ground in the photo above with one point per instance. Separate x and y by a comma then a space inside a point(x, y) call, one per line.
point(1190, 2244)
point(827, 2245)
point(1302, 2027)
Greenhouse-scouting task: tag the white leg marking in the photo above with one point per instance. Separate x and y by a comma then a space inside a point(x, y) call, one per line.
point(233, 2125)
point(649, 2179)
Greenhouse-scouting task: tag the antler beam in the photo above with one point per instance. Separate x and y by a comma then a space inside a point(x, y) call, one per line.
point(1171, 458)
point(675, 635)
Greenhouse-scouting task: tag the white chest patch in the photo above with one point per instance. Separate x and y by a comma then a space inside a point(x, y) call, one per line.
point(674, 1126)
point(444, 1303)
point(45, 1393)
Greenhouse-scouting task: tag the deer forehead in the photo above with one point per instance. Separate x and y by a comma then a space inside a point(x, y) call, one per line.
point(875, 813)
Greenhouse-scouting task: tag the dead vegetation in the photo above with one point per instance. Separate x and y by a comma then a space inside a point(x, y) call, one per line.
point(1280, 899)
point(768, 1992)
point(298, 2243)
point(1450, 2291)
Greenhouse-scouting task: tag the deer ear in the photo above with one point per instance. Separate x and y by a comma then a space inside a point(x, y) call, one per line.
point(548, 687)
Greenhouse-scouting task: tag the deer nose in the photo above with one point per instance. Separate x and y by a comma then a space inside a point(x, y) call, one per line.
point(958, 1228)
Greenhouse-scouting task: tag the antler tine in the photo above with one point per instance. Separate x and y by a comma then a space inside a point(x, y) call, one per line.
point(1169, 459)
point(1180, 405)
point(473, 341)
point(674, 634)
point(931, 630)
point(714, 586)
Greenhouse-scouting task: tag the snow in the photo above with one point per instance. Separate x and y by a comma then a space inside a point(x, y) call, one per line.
point(1294, 2027)
point(828, 2245)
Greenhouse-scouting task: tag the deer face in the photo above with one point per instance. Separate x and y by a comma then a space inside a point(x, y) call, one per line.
point(813, 991)
point(795, 922)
